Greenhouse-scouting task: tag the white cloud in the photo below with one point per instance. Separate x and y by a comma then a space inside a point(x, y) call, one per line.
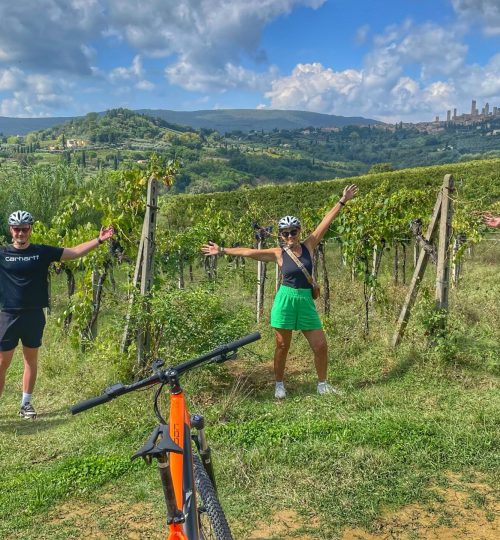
point(135, 71)
point(49, 34)
point(10, 78)
point(35, 95)
point(209, 39)
point(383, 87)
point(484, 12)
point(362, 33)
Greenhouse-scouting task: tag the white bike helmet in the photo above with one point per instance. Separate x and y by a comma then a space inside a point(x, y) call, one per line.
point(21, 217)
point(288, 221)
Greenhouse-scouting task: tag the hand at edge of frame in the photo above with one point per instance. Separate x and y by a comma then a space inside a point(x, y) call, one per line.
point(210, 249)
point(492, 221)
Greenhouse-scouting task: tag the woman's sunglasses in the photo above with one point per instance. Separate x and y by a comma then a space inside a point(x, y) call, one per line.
point(286, 234)
point(21, 229)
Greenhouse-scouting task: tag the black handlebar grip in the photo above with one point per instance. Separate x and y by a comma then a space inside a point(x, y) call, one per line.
point(245, 340)
point(89, 403)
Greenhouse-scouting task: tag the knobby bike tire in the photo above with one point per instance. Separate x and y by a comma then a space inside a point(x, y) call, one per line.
point(213, 523)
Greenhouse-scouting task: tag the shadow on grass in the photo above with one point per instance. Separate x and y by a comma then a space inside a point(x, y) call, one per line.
point(43, 422)
point(396, 372)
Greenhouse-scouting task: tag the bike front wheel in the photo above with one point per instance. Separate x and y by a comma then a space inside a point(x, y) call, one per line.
point(212, 521)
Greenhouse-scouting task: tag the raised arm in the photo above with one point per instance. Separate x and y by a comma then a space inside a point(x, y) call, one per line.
point(265, 255)
point(82, 249)
point(315, 238)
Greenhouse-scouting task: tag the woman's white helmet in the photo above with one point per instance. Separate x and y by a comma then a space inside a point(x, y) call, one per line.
point(21, 217)
point(287, 222)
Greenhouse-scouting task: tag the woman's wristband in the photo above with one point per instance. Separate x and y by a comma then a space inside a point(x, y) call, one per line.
point(222, 251)
point(99, 241)
point(341, 203)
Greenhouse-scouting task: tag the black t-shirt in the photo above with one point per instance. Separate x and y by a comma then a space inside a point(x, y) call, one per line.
point(24, 275)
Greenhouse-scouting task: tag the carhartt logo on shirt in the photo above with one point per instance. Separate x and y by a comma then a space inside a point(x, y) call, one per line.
point(23, 259)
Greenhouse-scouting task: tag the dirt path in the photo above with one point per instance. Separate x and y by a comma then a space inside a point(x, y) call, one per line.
point(463, 510)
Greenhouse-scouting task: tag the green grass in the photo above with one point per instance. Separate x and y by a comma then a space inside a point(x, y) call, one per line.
point(405, 420)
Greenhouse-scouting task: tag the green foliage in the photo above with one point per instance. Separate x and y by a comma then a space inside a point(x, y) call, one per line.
point(478, 181)
point(188, 322)
point(381, 167)
point(114, 126)
point(74, 475)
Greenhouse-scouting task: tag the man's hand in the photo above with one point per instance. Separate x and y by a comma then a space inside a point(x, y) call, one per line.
point(210, 249)
point(105, 233)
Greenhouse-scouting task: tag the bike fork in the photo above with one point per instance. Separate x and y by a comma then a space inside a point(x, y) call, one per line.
point(198, 422)
point(175, 516)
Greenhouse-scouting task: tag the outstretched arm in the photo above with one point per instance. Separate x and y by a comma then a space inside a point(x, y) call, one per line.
point(265, 255)
point(82, 249)
point(315, 238)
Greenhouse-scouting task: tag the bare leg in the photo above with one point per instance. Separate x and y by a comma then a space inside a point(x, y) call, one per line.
point(317, 342)
point(283, 340)
point(30, 369)
point(5, 360)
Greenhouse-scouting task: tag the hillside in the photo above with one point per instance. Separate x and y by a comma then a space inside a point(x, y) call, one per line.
point(23, 126)
point(245, 120)
point(114, 126)
point(224, 120)
point(121, 138)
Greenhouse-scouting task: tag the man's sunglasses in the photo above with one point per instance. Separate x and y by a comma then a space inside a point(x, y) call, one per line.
point(286, 234)
point(21, 229)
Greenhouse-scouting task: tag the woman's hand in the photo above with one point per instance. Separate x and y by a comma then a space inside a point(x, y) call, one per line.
point(492, 221)
point(210, 249)
point(349, 192)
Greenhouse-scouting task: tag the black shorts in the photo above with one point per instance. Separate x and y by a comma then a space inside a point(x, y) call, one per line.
point(25, 325)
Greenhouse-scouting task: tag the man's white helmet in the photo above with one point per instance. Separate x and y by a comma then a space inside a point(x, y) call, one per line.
point(287, 222)
point(21, 217)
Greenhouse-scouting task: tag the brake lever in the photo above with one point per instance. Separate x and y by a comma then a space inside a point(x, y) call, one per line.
point(231, 355)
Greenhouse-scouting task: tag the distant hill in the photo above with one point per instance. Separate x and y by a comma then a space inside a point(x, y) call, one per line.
point(227, 120)
point(222, 120)
point(113, 126)
point(23, 126)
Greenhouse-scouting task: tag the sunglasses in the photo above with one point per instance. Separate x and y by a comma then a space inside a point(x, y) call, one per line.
point(21, 229)
point(286, 234)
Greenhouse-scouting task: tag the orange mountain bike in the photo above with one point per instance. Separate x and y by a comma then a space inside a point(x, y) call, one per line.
point(193, 508)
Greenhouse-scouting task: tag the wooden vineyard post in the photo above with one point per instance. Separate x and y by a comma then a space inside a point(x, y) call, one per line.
point(143, 337)
point(261, 235)
point(420, 267)
point(143, 270)
point(261, 275)
point(443, 262)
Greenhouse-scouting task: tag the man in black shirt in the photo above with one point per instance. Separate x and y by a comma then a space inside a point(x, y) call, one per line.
point(24, 294)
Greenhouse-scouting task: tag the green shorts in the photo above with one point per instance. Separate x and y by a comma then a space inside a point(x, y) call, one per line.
point(294, 309)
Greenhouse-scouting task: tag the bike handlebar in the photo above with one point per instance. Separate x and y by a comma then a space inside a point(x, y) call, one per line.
point(220, 354)
point(89, 403)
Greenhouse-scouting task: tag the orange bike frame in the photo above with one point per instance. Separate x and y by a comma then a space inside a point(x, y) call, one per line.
point(181, 466)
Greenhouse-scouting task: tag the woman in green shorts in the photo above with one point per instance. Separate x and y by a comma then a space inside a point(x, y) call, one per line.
point(293, 307)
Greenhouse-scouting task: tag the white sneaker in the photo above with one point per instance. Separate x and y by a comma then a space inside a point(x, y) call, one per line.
point(325, 388)
point(279, 391)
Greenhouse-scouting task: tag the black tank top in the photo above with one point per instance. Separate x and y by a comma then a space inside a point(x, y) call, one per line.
point(292, 274)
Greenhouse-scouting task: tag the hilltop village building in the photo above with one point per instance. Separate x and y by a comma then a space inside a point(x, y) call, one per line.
point(472, 117)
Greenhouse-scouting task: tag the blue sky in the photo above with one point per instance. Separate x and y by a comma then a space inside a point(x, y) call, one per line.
point(391, 60)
